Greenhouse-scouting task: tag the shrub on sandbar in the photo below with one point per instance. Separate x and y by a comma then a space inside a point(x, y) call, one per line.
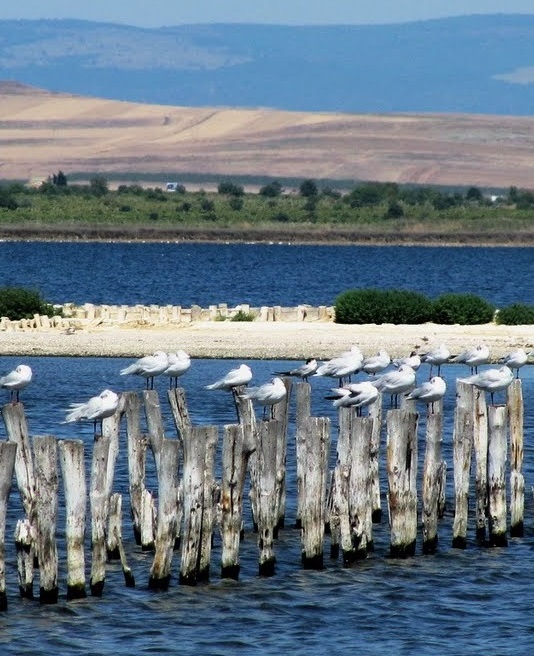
point(463, 309)
point(517, 314)
point(19, 303)
point(397, 306)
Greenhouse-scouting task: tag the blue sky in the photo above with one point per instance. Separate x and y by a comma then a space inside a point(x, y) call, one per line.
point(155, 13)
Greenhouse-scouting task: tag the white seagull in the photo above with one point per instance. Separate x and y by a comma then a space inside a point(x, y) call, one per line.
point(436, 357)
point(234, 378)
point(474, 357)
point(376, 363)
point(396, 382)
point(491, 380)
point(304, 371)
point(356, 395)
point(148, 367)
point(343, 366)
point(17, 380)
point(178, 364)
point(97, 408)
point(429, 392)
point(268, 394)
point(413, 360)
point(515, 360)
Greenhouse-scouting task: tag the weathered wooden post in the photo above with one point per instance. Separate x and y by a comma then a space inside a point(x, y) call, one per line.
point(199, 447)
point(115, 537)
point(137, 445)
point(110, 428)
point(154, 422)
point(303, 411)
point(375, 413)
point(237, 448)
point(25, 543)
point(402, 481)
point(46, 484)
point(463, 436)
point(432, 476)
point(160, 572)
point(360, 510)
point(338, 507)
point(514, 402)
point(480, 444)
point(281, 414)
point(71, 458)
point(7, 466)
point(497, 452)
point(99, 509)
point(315, 472)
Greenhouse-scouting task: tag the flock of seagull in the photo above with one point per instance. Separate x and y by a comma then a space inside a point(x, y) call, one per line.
point(386, 376)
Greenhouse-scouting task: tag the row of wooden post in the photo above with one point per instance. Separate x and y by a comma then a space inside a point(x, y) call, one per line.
point(191, 503)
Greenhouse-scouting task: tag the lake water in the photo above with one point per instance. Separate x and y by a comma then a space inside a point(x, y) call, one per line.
point(472, 601)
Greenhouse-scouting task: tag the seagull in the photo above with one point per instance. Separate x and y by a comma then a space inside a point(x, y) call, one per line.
point(355, 395)
point(376, 363)
point(515, 360)
point(430, 391)
point(396, 382)
point(436, 357)
point(343, 366)
point(268, 394)
point(413, 360)
point(491, 380)
point(178, 364)
point(474, 357)
point(305, 370)
point(234, 378)
point(17, 380)
point(148, 367)
point(97, 408)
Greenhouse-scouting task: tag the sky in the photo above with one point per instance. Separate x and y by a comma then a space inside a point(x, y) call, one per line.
point(158, 13)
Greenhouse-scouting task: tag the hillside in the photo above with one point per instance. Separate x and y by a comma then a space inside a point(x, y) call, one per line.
point(42, 132)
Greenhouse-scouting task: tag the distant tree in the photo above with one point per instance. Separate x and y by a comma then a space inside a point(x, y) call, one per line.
point(236, 203)
point(98, 186)
point(394, 211)
point(271, 190)
point(330, 192)
point(59, 179)
point(230, 189)
point(474, 195)
point(7, 200)
point(308, 188)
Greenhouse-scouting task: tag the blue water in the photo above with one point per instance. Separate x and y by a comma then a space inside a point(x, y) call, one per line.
point(205, 274)
point(476, 601)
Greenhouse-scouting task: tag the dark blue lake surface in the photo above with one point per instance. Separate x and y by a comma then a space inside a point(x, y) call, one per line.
point(205, 274)
point(475, 601)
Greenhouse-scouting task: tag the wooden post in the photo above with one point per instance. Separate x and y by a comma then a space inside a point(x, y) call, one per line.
point(339, 512)
point(71, 458)
point(497, 449)
point(360, 511)
point(180, 412)
point(114, 530)
point(432, 476)
point(375, 412)
point(402, 479)
point(199, 446)
point(281, 413)
point(265, 485)
point(480, 444)
point(137, 445)
point(463, 436)
point(303, 411)
point(160, 572)
point(99, 510)
point(7, 466)
point(514, 402)
point(315, 470)
point(154, 422)
point(110, 428)
point(46, 482)
point(235, 456)
point(25, 542)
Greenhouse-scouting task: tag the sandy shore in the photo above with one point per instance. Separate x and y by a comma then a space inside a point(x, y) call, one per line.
point(263, 340)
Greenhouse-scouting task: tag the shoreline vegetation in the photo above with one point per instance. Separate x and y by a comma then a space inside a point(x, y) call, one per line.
point(371, 213)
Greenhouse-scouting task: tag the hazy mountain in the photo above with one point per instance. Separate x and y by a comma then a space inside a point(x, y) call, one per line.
point(474, 64)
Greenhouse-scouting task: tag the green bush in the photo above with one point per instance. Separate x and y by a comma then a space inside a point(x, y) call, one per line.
point(19, 303)
point(397, 306)
point(240, 315)
point(463, 309)
point(517, 314)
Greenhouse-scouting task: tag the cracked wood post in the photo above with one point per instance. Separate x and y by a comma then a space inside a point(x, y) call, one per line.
point(110, 428)
point(71, 458)
point(480, 444)
point(115, 537)
point(247, 419)
point(160, 572)
point(7, 467)
point(199, 448)
point(236, 451)
point(281, 414)
point(316, 432)
point(99, 509)
point(303, 412)
point(432, 476)
point(497, 452)
point(17, 431)
point(360, 510)
point(338, 499)
point(401, 460)
point(182, 422)
point(45, 451)
point(462, 444)
point(148, 521)
point(514, 402)
point(375, 412)
point(154, 422)
point(137, 445)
